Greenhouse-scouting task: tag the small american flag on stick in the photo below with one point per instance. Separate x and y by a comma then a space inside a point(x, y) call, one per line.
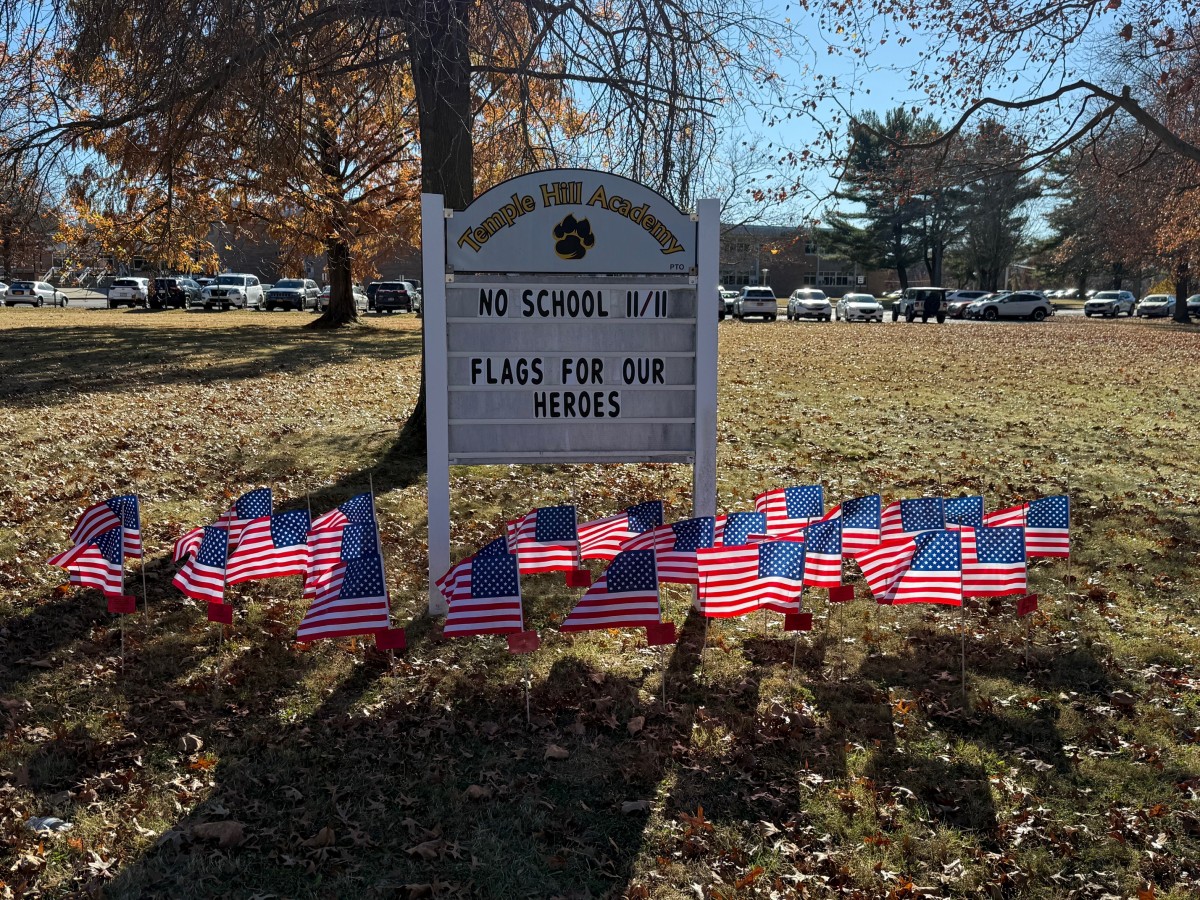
point(487, 599)
point(790, 508)
point(907, 517)
point(351, 599)
point(736, 528)
point(271, 547)
point(98, 562)
point(925, 568)
point(248, 507)
point(993, 562)
point(203, 575)
point(545, 540)
point(116, 512)
point(602, 538)
point(734, 581)
point(625, 596)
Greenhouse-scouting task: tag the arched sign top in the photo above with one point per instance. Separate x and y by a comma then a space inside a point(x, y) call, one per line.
point(572, 222)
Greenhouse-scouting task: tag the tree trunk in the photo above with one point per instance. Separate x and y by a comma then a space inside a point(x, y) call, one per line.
point(6, 230)
point(1118, 275)
point(342, 309)
point(441, 70)
point(1183, 270)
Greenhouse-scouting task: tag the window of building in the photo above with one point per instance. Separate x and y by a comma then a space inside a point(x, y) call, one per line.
point(811, 248)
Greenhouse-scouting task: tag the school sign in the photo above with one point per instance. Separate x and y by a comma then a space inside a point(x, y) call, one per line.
point(570, 317)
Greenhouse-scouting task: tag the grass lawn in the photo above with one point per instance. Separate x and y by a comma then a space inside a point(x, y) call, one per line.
point(250, 766)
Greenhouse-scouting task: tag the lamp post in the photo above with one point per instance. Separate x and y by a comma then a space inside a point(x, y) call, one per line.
point(764, 276)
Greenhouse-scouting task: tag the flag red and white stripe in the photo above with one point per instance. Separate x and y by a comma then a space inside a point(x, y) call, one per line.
point(487, 599)
point(93, 522)
point(559, 554)
point(189, 543)
point(350, 599)
point(734, 581)
point(271, 547)
point(88, 567)
point(998, 574)
point(625, 596)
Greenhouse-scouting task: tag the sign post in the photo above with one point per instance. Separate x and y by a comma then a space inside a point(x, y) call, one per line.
point(569, 318)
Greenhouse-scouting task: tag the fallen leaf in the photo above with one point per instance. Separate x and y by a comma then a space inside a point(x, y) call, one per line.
point(323, 838)
point(227, 833)
point(478, 792)
point(553, 751)
point(428, 849)
point(632, 806)
point(636, 724)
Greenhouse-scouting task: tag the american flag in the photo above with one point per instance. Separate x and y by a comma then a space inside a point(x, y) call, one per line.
point(359, 540)
point(625, 596)
point(271, 547)
point(462, 569)
point(245, 509)
point(325, 534)
point(97, 562)
point(905, 517)
point(883, 565)
point(545, 540)
point(1047, 524)
point(487, 599)
point(351, 599)
point(792, 507)
point(860, 523)
point(675, 547)
point(934, 575)
point(115, 512)
point(734, 529)
point(964, 511)
point(203, 575)
point(189, 543)
point(823, 554)
point(993, 561)
point(602, 538)
point(738, 580)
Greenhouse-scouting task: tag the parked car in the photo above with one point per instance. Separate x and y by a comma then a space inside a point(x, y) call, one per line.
point(729, 297)
point(394, 295)
point(176, 292)
point(356, 290)
point(1156, 306)
point(858, 308)
point(1016, 305)
point(233, 289)
point(926, 302)
point(293, 293)
point(3, 291)
point(1109, 303)
point(809, 303)
point(720, 305)
point(35, 293)
point(1193, 305)
point(958, 301)
point(756, 301)
point(371, 289)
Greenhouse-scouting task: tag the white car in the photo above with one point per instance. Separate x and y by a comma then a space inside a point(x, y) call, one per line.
point(858, 308)
point(232, 289)
point(35, 293)
point(133, 292)
point(1156, 306)
point(1109, 303)
point(3, 290)
point(752, 301)
point(809, 303)
point(356, 291)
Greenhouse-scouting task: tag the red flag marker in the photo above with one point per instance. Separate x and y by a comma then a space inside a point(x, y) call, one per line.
point(220, 612)
point(660, 634)
point(579, 578)
point(390, 639)
point(1027, 605)
point(841, 594)
point(523, 642)
point(125, 604)
point(797, 622)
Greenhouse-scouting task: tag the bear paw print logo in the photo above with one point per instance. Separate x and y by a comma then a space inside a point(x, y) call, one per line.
point(573, 238)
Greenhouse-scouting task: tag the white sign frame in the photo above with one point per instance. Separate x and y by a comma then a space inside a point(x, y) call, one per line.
point(437, 274)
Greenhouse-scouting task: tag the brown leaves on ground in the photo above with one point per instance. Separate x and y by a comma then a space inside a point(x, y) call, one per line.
point(225, 834)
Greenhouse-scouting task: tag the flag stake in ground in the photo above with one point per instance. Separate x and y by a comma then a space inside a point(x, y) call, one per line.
point(382, 566)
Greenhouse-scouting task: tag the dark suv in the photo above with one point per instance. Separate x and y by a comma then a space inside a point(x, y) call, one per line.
point(394, 295)
point(177, 293)
point(926, 302)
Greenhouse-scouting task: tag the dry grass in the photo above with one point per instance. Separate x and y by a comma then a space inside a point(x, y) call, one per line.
point(859, 774)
